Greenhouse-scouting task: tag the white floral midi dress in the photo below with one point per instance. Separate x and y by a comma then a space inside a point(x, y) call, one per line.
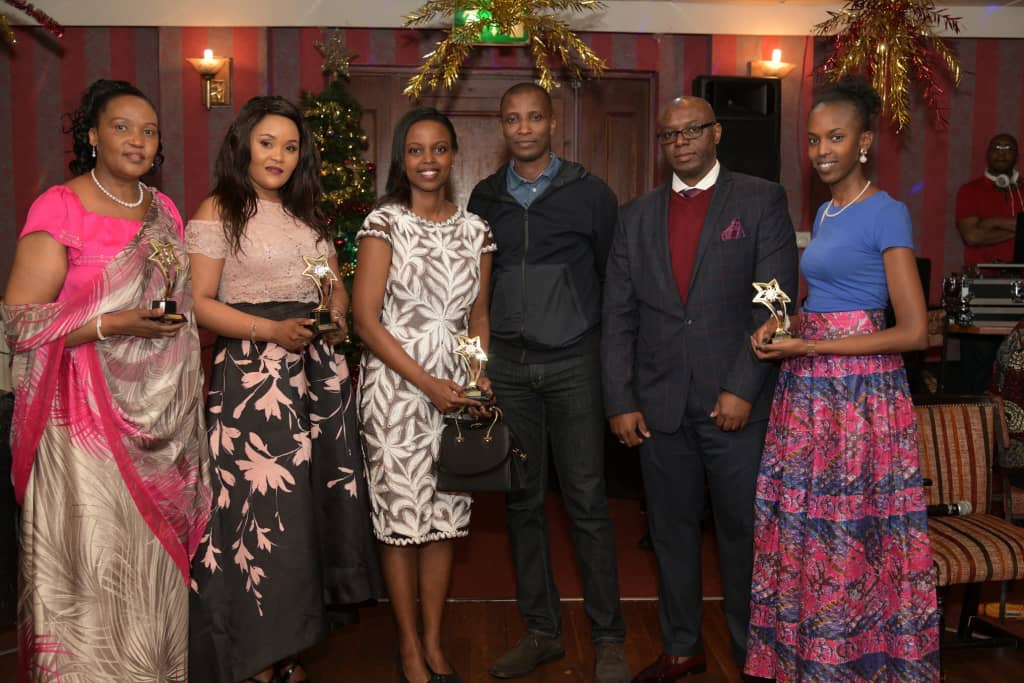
point(432, 283)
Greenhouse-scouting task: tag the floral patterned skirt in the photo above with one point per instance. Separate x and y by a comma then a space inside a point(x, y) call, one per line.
point(291, 533)
point(843, 586)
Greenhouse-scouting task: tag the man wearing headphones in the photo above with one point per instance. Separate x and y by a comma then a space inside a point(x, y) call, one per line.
point(987, 210)
point(987, 207)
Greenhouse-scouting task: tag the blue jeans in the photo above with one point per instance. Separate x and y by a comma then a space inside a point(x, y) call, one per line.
point(561, 398)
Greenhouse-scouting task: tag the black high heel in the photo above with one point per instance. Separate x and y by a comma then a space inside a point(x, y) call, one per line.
point(401, 672)
point(452, 677)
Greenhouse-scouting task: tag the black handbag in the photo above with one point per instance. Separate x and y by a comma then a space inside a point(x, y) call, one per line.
point(479, 454)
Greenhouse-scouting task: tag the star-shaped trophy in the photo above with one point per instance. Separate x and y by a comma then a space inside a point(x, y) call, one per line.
point(770, 295)
point(472, 353)
point(165, 259)
point(318, 270)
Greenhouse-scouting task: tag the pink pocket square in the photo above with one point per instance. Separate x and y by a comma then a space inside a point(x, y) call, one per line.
point(734, 231)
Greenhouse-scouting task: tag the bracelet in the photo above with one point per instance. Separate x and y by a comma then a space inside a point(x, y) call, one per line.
point(99, 328)
point(252, 332)
point(812, 350)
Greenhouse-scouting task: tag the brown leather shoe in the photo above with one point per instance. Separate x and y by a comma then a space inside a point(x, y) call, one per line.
point(664, 669)
point(526, 655)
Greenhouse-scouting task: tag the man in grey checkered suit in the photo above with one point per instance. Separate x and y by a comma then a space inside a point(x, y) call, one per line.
point(680, 380)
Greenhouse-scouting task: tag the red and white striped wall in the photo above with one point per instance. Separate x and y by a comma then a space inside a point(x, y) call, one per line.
point(41, 78)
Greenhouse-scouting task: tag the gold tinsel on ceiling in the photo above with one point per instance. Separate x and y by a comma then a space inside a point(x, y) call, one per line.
point(549, 36)
point(892, 42)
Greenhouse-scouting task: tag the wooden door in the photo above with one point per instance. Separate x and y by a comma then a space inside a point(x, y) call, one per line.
point(616, 127)
point(605, 125)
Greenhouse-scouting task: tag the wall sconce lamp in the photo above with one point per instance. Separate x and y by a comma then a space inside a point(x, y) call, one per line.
point(770, 68)
point(216, 75)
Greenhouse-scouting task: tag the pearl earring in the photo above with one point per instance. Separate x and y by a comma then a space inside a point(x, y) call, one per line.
point(94, 151)
point(863, 156)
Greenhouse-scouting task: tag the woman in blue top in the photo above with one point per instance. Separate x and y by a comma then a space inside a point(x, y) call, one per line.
point(842, 585)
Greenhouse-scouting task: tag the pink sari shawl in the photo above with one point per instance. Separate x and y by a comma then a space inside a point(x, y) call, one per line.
point(134, 400)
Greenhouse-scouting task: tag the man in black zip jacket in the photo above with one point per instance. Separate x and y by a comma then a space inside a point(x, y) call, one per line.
point(553, 223)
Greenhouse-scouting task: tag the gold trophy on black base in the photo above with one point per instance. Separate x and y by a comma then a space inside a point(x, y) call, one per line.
point(318, 270)
point(470, 351)
point(166, 260)
point(770, 295)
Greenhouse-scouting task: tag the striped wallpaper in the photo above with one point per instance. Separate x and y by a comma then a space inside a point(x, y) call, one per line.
point(41, 78)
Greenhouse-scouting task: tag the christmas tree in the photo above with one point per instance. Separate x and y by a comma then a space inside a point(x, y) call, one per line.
point(347, 179)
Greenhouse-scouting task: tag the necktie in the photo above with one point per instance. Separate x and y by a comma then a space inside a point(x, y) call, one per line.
point(690, 193)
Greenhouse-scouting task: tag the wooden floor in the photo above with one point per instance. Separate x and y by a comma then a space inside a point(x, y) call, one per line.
point(477, 632)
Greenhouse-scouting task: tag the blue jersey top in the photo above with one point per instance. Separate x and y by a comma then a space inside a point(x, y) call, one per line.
point(843, 262)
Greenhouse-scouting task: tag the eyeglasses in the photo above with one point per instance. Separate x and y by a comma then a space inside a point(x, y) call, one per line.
point(667, 137)
point(1003, 148)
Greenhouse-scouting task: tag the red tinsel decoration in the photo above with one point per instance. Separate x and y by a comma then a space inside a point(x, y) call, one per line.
point(44, 19)
point(893, 42)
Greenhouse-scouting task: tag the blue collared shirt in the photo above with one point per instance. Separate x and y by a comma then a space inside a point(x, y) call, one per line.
point(525, 191)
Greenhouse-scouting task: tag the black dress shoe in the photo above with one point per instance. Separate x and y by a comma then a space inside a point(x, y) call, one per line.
point(664, 669)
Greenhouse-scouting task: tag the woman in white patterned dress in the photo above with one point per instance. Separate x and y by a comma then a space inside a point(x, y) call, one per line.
point(417, 287)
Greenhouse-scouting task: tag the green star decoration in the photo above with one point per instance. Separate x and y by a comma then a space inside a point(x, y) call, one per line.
point(550, 38)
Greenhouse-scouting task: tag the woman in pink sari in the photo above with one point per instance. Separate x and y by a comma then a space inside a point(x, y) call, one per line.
point(109, 449)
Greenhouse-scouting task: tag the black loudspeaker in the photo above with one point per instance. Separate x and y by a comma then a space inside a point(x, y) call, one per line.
point(748, 109)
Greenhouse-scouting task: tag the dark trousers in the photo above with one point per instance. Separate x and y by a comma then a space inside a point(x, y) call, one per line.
point(675, 466)
point(977, 356)
point(562, 398)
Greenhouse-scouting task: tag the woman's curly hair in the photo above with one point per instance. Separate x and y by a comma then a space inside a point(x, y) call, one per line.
point(87, 115)
point(857, 91)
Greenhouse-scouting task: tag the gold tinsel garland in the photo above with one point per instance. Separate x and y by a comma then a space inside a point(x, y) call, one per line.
point(549, 36)
point(6, 32)
point(892, 42)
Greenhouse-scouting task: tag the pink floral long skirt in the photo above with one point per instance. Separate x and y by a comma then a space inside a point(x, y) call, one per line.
point(843, 588)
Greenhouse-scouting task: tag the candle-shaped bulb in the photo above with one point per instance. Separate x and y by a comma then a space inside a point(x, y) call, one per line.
point(207, 53)
point(776, 56)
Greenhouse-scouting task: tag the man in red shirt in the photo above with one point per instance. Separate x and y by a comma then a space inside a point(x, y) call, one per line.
point(987, 207)
point(986, 216)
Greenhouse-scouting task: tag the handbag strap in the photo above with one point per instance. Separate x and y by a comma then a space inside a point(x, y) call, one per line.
point(487, 436)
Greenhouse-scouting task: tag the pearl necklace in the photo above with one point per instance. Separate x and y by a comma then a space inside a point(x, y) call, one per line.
point(825, 214)
point(111, 197)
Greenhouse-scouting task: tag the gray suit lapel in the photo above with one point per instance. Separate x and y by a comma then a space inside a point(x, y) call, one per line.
point(709, 231)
